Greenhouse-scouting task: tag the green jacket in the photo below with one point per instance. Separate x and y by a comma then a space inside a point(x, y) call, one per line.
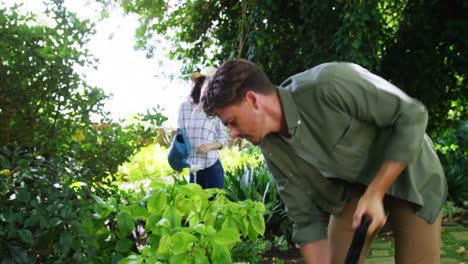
point(345, 122)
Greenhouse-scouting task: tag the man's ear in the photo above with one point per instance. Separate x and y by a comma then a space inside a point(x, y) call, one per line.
point(251, 98)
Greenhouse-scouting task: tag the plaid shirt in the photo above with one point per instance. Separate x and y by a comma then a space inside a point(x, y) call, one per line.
point(200, 130)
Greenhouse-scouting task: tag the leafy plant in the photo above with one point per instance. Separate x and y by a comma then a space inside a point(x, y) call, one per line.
point(281, 243)
point(235, 157)
point(43, 99)
point(179, 223)
point(149, 163)
point(256, 183)
point(42, 204)
point(450, 210)
point(250, 251)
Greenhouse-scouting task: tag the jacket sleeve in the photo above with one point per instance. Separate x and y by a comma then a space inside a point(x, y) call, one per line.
point(309, 221)
point(367, 97)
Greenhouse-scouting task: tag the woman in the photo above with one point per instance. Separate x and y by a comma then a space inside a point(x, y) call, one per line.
point(206, 135)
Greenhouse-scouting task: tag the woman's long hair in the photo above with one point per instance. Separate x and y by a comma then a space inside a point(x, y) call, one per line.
point(196, 89)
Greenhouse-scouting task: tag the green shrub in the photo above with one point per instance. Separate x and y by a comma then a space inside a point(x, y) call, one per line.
point(450, 210)
point(149, 163)
point(256, 183)
point(248, 251)
point(453, 149)
point(281, 243)
point(175, 223)
point(235, 157)
point(42, 207)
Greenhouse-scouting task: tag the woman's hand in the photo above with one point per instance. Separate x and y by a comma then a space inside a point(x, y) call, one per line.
point(174, 133)
point(204, 148)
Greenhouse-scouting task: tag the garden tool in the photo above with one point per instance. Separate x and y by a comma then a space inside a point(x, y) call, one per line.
point(357, 243)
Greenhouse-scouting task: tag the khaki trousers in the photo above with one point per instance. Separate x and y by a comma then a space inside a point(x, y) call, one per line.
point(416, 241)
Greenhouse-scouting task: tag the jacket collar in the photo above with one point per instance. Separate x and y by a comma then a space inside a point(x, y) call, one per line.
point(289, 108)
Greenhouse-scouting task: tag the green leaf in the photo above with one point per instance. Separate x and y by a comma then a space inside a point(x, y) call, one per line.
point(205, 230)
point(65, 242)
point(26, 236)
point(227, 237)
point(133, 259)
point(253, 235)
point(183, 204)
point(125, 223)
point(23, 195)
point(220, 254)
point(257, 222)
point(173, 216)
point(53, 222)
point(200, 257)
point(157, 203)
point(19, 254)
point(179, 259)
point(67, 211)
point(151, 223)
point(31, 221)
point(164, 244)
point(195, 218)
point(116, 257)
point(138, 212)
point(123, 245)
point(181, 242)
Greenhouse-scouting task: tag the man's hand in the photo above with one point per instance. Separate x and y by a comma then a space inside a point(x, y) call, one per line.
point(371, 203)
point(204, 148)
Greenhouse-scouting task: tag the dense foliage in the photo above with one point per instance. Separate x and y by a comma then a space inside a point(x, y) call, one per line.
point(454, 149)
point(47, 216)
point(45, 106)
point(418, 45)
point(174, 223)
point(43, 100)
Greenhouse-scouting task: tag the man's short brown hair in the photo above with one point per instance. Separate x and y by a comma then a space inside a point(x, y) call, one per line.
point(231, 82)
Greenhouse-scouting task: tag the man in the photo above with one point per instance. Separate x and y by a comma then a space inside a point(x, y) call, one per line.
point(339, 140)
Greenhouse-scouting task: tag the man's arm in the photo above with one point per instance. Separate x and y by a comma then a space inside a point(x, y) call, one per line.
point(373, 100)
point(316, 252)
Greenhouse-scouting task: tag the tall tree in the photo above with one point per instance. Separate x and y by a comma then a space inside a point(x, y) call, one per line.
point(419, 45)
point(42, 97)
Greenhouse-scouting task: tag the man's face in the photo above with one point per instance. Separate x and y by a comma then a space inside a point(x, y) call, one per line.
point(244, 120)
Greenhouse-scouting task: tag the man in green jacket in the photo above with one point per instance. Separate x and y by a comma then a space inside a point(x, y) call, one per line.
point(343, 142)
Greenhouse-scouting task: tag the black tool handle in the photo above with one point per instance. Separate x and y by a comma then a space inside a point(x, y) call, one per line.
point(358, 241)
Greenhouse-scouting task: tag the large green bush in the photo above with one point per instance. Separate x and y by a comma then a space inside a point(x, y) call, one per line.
point(452, 146)
point(46, 107)
point(42, 206)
